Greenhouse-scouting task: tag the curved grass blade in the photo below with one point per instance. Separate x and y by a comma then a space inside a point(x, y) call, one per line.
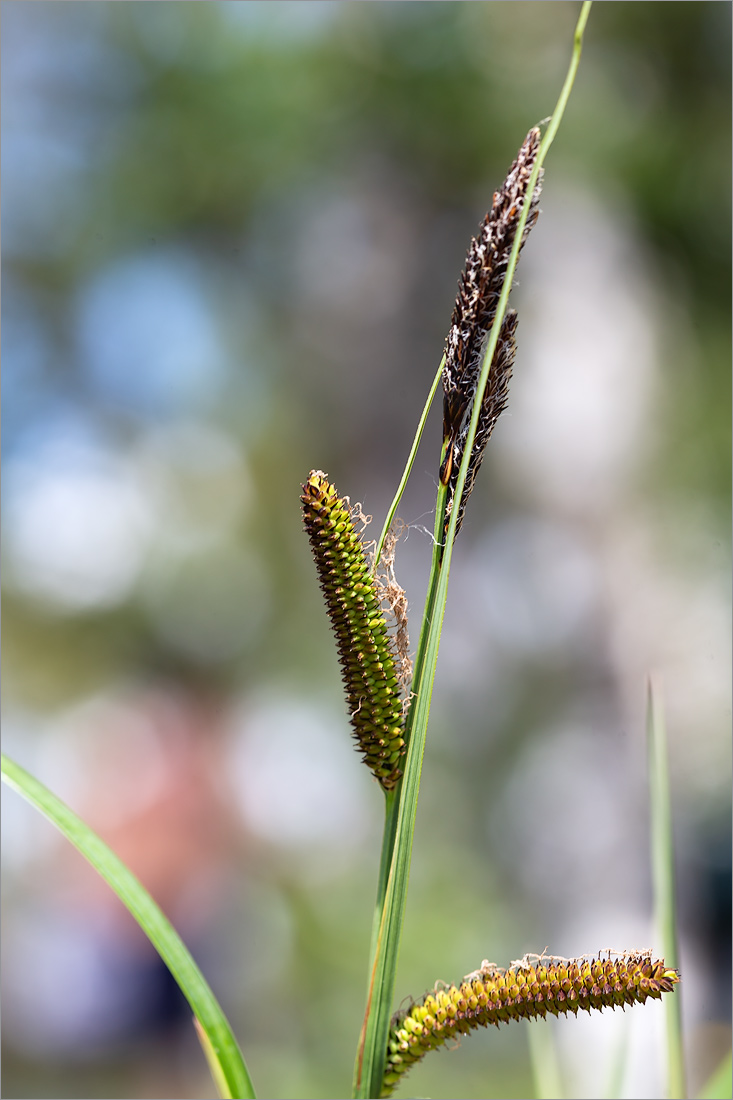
point(232, 1072)
point(212, 1061)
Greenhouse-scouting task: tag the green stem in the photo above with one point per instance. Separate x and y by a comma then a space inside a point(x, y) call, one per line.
point(363, 1068)
point(408, 466)
point(392, 797)
point(369, 1070)
point(663, 879)
point(220, 1046)
point(390, 827)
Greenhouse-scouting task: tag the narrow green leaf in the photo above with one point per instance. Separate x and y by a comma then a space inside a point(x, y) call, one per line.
point(663, 881)
point(719, 1085)
point(232, 1074)
point(213, 1063)
point(545, 1061)
point(618, 1063)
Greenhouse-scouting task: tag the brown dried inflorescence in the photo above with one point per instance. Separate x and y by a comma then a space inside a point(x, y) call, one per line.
point(367, 652)
point(493, 404)
point(535, 987)
point(391, 593)
point(479, 290)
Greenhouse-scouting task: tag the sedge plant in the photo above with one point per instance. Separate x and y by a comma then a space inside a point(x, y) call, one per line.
point(388, 700)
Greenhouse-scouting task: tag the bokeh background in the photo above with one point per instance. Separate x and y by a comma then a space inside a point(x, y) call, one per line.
point(232, 234)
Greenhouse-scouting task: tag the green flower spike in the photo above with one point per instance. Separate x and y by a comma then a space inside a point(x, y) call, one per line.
point(367, 653)
point(536, 986)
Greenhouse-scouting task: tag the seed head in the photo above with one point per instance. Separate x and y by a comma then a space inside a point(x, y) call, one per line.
point(536, 986)
point(479, 289)
point(367, 656)
point(493, 404)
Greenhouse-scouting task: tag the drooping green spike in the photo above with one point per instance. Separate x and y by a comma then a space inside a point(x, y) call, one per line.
point(536, 986)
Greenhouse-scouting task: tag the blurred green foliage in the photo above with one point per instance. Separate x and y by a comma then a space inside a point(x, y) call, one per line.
point(314, 170)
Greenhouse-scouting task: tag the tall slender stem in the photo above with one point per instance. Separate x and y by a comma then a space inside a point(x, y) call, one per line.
point(371, 1054)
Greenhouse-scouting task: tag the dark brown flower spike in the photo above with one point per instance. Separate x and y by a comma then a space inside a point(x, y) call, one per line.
point(370, 667)
point(493, 404)
point(479, 289)
point(535, 987)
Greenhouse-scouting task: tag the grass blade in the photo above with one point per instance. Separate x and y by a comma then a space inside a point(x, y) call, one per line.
point(619, 1062)
point(663, 879)
point(719, 1085)
point(544, 1060)
point(222, 1047)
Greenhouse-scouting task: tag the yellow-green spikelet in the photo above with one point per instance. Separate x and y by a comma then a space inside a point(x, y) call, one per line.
point(490, 996)
point(366, 649)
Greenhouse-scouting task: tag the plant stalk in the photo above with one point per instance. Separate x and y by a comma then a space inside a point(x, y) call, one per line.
point(371, 1054)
